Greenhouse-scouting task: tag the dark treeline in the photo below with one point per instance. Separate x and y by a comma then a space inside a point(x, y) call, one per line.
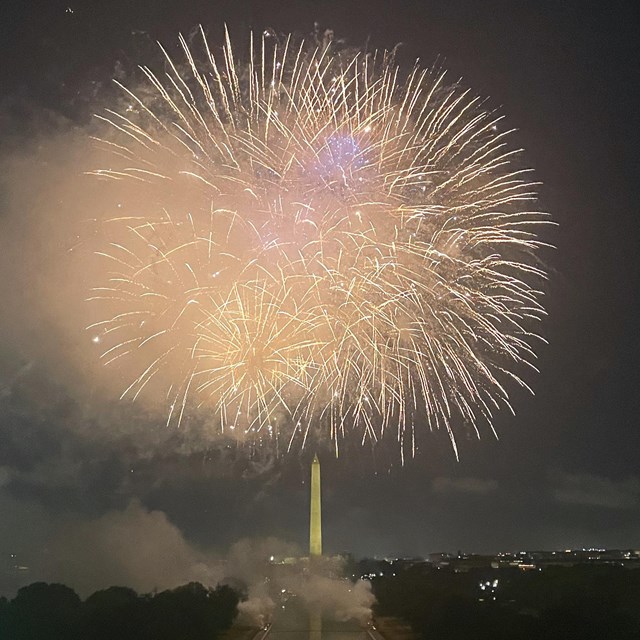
point(55, 612)
point(560, 603)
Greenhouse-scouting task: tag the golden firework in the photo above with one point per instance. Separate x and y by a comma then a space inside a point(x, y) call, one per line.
point(313, 242)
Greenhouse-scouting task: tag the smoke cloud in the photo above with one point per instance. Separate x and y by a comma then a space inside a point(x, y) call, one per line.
point(270, 570)
point(136, 548)
point(51, 216)
point(336, 597)
point(142, 549)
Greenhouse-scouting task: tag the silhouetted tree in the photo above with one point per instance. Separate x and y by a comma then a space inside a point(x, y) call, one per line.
point(112, 613)
point(43, 611)
point(54, 612)
point(191, 612)
point(587, 618)
point(4, 612)
point(583, 602)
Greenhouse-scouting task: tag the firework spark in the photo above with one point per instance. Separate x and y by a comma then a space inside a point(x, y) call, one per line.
point(309, 241)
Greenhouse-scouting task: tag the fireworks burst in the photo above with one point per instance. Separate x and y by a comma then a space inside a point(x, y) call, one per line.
point(310, 242)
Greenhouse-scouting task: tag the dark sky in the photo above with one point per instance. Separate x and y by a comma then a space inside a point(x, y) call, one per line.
point(564, 472)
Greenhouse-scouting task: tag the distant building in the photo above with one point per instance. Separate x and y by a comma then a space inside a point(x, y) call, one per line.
point(463, 563)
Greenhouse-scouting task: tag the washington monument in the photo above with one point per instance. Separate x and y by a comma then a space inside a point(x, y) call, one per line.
point(315, 515)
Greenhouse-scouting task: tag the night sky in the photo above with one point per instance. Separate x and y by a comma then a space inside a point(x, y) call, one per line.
point(77, 468)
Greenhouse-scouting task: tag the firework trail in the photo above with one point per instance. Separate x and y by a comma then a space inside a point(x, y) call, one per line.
point(310, 243)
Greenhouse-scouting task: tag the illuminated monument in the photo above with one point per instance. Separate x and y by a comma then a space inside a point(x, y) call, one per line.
point(315, 543)
point(315, 513)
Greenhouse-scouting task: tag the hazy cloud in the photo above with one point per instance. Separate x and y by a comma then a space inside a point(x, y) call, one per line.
point(475, 486)
point(597, 491)
point(318, 586)
point(136, 548)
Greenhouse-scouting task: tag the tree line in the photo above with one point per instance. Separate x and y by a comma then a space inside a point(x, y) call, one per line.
point(583, 602)
point(43, 611)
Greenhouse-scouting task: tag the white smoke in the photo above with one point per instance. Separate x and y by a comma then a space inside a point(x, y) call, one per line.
point(337, 598)
point(323, 587)
point(142, 549)
point(136, 548)
point(318, 585)
point(248, 561)
point(256, 610)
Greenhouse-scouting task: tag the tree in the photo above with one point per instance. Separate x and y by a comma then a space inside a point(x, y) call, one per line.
point(112, 613)
point(191, 612)
point(43, 611)
point(4, 613)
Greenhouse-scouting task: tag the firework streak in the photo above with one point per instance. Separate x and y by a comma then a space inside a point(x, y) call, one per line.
point(312, 242)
